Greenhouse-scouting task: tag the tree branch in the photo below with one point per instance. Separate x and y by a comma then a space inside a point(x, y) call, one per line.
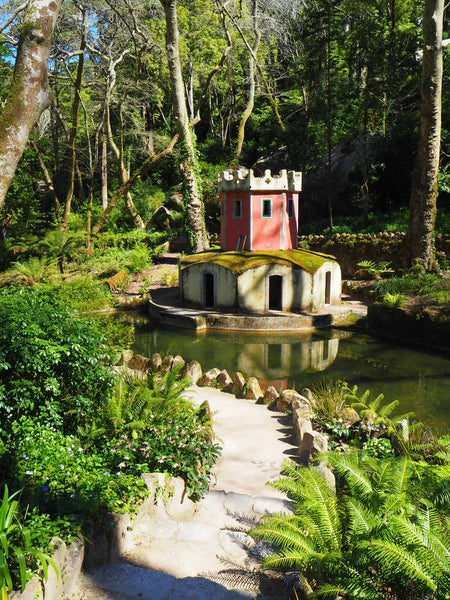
point(146, 166)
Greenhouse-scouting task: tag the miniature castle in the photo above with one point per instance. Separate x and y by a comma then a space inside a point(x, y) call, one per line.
point(259, 269)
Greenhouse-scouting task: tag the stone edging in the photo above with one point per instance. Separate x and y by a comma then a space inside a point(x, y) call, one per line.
point(310, 442)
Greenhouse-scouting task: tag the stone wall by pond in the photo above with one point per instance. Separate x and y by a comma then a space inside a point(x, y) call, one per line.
point(349, 249)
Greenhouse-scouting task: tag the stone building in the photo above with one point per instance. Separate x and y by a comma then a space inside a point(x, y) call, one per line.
point(259, 269)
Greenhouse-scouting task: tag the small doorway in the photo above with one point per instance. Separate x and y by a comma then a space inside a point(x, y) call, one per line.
point(208, 290)
point(275, 292)
point(328, 287)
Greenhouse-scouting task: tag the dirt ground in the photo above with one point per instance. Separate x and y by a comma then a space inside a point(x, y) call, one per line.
point(162, 274)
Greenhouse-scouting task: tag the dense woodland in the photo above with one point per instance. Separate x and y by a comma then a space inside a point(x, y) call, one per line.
point(261, 83)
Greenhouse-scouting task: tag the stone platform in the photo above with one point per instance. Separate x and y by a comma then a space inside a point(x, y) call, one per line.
point(165, 309)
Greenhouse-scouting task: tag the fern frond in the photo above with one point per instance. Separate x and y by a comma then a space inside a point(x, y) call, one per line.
point(399, 561)
point(347, 466)
point(360, 519)
point(386, 410)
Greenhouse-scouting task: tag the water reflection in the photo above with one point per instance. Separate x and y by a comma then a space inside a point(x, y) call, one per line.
point(419, 380)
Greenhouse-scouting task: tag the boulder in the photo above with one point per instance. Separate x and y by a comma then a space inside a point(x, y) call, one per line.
point(313, 443)
point(286, 398)
point(192, 370)
point(139, 363)
point(350, 415)
point(178, 361)
point(301, 408)
point(224, 380)
point(301, 426)
point(270, 395)
point(156, 361)
point(253, 390)
point(307, 393)
point(209, 378)
point(125, 357)
point(238, 384)
point(166, 364)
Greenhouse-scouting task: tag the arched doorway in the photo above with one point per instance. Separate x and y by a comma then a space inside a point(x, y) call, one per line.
point(275, 292)
point(328, 287)
point(208, 290)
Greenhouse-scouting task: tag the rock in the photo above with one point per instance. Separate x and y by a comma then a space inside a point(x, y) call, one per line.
point(192, 370)
point(156, 361)
point(301, 408)
point(350, 415)
point(253, 390)
point(178, 361)
point(176, 503)
point(301, 426)
point(296, 586)
point(313, 443)
point(307, 393)
point(139, 363)
point(166, 364)
point(224, 380)
point(238, 384)
point(285, 399)
point(208, 378)
point(270, 395)
point(125, 357)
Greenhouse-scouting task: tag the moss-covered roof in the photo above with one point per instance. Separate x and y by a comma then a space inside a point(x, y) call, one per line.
point(238, 262)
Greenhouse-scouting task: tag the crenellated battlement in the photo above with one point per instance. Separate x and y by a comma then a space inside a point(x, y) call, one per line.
point(244, 180)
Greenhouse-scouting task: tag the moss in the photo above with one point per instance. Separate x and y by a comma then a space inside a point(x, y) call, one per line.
point(239, 262)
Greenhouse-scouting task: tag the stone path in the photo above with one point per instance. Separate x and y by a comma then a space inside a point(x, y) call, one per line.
point(180, 550)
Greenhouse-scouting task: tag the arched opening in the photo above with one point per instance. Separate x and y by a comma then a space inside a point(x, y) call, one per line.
point(275, 292)
point(328, 287)
point(208, 290)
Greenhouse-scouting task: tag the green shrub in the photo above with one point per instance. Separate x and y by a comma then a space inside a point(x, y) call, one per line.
point(62, 477)
point(52, 365)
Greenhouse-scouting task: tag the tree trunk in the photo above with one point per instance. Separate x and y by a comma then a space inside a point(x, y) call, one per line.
point(29, 93)
point(251, 87)
point(422, 206)
point(190, 169)
point(104, 168)
point(72, 155)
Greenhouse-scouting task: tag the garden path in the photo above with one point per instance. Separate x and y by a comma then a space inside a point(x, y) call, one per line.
point(201, 551)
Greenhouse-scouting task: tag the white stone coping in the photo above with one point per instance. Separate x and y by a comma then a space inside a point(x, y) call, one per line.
point(245, 180)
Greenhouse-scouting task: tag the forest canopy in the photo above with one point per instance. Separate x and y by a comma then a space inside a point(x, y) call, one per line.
point(267, 84)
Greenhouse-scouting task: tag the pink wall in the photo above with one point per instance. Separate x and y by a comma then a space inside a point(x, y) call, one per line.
point(231, 229)
point(278, 232)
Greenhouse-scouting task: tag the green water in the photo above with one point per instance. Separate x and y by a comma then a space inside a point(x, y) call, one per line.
point(419, 380)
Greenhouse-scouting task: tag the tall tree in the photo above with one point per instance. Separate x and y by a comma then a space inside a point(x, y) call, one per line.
point(29, 93)
point(422, 207)
point(189, 166)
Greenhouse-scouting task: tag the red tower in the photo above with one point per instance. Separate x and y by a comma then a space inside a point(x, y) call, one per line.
point(259, 213)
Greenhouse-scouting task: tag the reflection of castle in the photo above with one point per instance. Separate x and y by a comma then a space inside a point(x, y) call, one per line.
point(272, 361)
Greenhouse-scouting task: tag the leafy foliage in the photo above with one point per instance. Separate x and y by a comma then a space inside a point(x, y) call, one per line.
point(16, 550)
point(367, 540)
point(52, 364)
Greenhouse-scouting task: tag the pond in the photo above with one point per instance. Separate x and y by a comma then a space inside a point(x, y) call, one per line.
point(420, 380)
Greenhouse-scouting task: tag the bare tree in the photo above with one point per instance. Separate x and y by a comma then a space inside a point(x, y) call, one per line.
point(29, 93)
point(189, 166)
point(422, 207)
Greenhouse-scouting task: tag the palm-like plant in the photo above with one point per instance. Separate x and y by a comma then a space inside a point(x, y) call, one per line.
point(367, 541)
point(138, 403)
point(59, 245)
point(16, 548)
point(34, 270)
